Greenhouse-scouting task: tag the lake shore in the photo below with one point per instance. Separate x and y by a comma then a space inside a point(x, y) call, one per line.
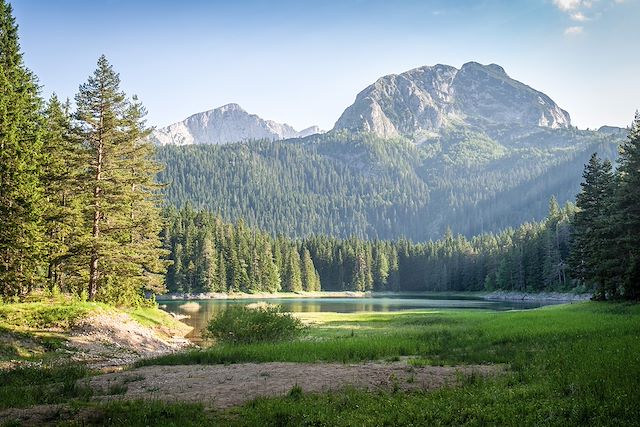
point(491, 296)
point(262, 295)
point(541, 296)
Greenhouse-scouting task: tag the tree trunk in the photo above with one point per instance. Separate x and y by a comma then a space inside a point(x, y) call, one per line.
point(93, 269)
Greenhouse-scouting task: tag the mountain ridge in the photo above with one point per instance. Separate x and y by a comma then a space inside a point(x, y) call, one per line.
point(224, 125)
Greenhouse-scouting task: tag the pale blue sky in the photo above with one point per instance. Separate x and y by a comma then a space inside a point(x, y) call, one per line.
point(303, 62)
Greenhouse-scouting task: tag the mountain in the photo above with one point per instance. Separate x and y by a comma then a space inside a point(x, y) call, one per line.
point(224, 125)
point(344, 184)
point(426, 100)
point(417, 153)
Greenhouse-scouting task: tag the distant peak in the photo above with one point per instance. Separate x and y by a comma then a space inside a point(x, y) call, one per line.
point(432, 98)
point(492, 67)
point(231, 107)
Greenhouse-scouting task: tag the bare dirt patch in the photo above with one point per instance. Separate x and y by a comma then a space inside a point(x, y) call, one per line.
point(110, 340)
point(223, 386)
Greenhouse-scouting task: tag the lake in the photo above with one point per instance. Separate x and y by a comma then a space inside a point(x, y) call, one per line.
point(200, 311)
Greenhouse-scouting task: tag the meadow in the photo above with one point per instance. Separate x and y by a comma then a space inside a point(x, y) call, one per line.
point(574, 364)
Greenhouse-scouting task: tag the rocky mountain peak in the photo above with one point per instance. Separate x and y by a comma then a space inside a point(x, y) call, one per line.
point(430, 98)
point(227, 124)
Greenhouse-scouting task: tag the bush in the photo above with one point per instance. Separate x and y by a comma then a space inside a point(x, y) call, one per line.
point(242, 324)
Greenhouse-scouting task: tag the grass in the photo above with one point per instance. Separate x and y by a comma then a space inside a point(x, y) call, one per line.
point(573, 364)
point(569, 365)
point(34, 385)
point(46, 314)
point(34, 362)
point(157, 319)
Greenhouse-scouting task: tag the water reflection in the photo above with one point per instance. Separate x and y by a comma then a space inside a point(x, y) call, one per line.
point(200, 312)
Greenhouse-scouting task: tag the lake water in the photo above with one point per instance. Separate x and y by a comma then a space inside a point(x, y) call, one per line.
point(200, 311)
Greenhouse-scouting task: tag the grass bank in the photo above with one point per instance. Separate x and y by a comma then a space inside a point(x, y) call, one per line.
point(36, 352)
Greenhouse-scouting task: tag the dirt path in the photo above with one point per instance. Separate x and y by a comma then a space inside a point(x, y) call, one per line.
point(223, 386)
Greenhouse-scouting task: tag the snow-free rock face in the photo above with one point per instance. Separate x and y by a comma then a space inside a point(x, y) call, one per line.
point(426, 99)
point(227, 124)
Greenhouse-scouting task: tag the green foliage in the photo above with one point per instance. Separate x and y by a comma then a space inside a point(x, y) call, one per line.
point(627, 206)
point(26, 386)
point(607, 224)
point(21, 199)
point(343, 185)
point(63, 178)
point(531, 258)
point(54, 313)
point(242, 324)
point(144, 413)
point(210, 255)
point(123, 220)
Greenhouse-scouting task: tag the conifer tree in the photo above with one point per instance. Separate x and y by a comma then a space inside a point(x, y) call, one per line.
point(21, 204)
point(628, 211)
point(592, 246)
point(125, 250)
point(63, 178)
point(310, 282)
point(208, 271)
point(292, 279)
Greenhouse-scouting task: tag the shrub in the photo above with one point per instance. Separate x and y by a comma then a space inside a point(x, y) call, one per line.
point(242, 324)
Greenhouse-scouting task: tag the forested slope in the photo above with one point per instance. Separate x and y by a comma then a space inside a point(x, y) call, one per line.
point(344, 184)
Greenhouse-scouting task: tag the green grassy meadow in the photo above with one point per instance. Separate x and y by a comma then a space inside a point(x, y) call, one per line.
point(567, 365)
point(574, 364)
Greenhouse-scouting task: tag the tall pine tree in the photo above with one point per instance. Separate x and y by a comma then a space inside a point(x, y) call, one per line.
point(592, 240)
point(21, 205)
point(125, 250)
point(628, 211)
point(63, 178)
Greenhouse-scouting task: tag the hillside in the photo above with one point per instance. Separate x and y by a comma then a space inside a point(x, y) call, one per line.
point(345, 184)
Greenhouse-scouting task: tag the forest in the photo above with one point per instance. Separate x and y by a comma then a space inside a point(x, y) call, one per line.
point(210, 255)
point(89, 207)
point(79, 201)
point(345, 185)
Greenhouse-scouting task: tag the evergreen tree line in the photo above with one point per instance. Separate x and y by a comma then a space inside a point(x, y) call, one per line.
point(78, 198)
point(606, 244)
point(211, 255)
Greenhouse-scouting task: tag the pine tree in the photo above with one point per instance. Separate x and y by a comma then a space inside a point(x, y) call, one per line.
point(63, 177)
point(380, 270)
point(628, 210)
point(591, 248)
point(310, 282)
point(292, 279)
point(209, 266)
point(269, 270)
point(125, 250)
point(21, 205)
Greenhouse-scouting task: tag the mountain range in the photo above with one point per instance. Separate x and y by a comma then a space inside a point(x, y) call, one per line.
point(419, 152)
point(224, 125)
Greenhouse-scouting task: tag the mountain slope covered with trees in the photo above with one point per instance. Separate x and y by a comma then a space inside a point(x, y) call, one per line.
point(344, 184)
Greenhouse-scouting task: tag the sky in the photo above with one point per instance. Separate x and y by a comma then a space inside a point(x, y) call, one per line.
point(302, 62)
